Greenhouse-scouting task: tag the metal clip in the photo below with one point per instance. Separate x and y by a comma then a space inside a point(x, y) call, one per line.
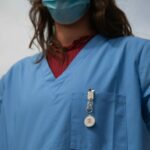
point(91, 94)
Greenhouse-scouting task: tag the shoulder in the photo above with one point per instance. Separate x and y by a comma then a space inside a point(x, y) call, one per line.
point(19, 67)
point(131, 46)
point(129, 41)
point(26, 61)
point(19, 73)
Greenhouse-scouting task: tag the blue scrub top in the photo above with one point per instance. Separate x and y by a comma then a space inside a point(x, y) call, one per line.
point(41, 112)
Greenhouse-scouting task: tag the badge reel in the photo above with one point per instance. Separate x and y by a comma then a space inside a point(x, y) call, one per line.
point(89, 120)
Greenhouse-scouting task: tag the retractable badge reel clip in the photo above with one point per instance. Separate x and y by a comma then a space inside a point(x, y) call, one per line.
point(89, 120)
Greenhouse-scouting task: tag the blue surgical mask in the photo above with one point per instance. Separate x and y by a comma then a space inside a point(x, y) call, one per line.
point(67, 11)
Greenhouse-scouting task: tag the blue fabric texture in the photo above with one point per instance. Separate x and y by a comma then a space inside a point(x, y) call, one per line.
point(67, 11)
point(41, 112)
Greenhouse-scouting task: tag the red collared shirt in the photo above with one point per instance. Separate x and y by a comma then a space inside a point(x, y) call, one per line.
point(57, 67)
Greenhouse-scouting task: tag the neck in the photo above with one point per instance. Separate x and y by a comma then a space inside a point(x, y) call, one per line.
point(66, 34)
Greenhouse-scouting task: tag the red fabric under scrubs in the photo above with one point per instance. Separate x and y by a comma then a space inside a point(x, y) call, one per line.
point(57, 67)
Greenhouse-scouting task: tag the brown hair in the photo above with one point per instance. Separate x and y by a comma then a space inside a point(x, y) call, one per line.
point(105, 17)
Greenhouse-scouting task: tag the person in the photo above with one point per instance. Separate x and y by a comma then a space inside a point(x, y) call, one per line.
point(89, 87)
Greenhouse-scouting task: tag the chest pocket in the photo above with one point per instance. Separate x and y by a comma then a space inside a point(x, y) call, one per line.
point(109, 131)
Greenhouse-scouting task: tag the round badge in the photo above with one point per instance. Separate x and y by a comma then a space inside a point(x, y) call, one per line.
point(89, 121)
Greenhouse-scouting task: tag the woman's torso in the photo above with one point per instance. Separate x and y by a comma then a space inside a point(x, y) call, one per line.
point(41, 112)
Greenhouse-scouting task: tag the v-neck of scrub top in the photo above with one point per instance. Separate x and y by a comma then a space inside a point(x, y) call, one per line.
point(58, 67)
point(89, 48)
